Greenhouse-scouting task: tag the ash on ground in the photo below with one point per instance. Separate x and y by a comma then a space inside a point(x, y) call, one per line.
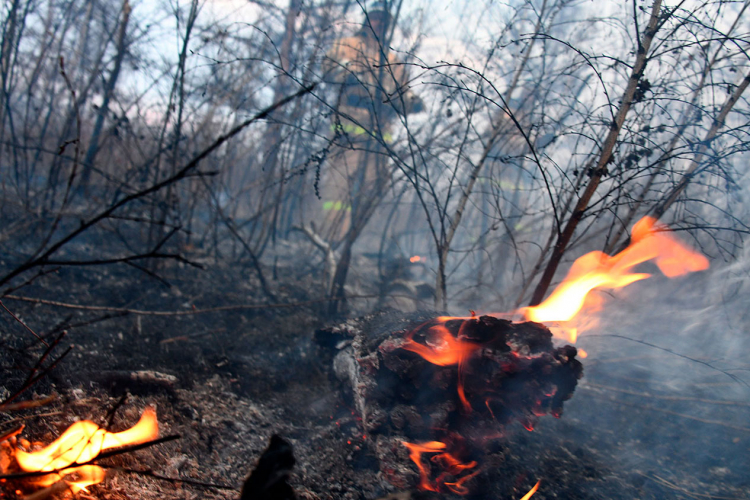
point(230, 379)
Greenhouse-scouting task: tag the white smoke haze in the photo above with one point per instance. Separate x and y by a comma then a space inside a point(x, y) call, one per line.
point(667, 372)
point(439, 178)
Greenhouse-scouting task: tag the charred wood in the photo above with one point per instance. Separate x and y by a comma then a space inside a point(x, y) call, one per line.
point(457, 381)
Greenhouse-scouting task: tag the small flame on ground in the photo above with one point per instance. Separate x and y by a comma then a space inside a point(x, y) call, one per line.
point(415, 259)
point(450, 464)
point(531, 491)
point(599, 270)
point(80, 443)
point(86, 476)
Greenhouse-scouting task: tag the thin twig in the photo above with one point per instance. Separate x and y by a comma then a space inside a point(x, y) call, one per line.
point(647, 395)
point(665, 349)
point(36, 415)
point(31, 381)
point(136, 447)
point(180, 338)
point(152, 474)
point(45, 355)
point(192, 311)
point(676, 414)
point(110, 417)
point(39, 274)
point(23, 324)
point(25, 405)
point(673, 486)
point(89, 322)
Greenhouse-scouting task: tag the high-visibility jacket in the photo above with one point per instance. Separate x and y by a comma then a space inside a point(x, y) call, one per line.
point(372, 86)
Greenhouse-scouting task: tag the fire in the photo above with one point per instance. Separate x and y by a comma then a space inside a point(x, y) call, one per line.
point(80, 443)
point(448, 350)
point(531, 491)
point(468, 342)
point(450, 464)
point(414, 259)
point(599, 270)
point(451, 467)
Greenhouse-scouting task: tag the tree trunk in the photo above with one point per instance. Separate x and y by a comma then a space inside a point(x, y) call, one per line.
point(686, 121)
point(88, 162)
point(441, 288)
point(601, 167)
point(273, 138)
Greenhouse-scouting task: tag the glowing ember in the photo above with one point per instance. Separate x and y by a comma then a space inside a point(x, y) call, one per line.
point(414, 386)
point(531, 491)
point(599, 270)
point(80, 443)
point(451, 467)
point(415, 259)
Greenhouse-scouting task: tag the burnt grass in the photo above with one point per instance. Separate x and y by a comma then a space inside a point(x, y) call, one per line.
point(244, 374)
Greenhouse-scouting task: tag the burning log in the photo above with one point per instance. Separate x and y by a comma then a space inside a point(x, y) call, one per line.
point(443, 388)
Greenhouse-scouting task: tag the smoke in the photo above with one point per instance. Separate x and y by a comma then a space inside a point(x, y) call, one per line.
point(666, 383)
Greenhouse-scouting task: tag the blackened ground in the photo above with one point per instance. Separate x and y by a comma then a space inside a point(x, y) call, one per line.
point(243, 374)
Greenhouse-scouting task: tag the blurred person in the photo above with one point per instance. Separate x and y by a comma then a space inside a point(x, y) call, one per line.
point(371, 92)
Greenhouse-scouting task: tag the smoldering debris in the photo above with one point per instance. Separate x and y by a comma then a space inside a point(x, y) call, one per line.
point(452, 384)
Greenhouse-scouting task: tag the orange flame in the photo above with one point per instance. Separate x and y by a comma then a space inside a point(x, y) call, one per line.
point(599, 270)
point(415, 258)
point(80, 443)
point(451, 465)
point(448, 350)
point(531, 491)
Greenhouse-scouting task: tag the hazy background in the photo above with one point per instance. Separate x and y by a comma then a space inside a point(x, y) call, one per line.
point(113, 126)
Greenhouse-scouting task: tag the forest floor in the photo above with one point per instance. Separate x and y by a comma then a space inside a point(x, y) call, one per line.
point(242, 374)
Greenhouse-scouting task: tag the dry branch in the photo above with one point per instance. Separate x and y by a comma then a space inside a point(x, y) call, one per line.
point(25, 405)
point(607, 148)
point(672, 196)
point(42, 257)
point(23, 324)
